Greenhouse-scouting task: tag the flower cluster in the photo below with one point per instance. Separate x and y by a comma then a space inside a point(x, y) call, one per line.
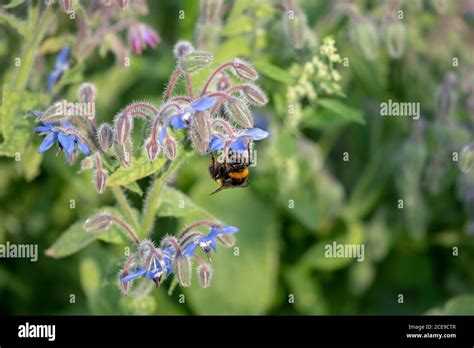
point(117, 17)
point(174, 255)
point(317, 76)
point(208, 128)
point(216, 118)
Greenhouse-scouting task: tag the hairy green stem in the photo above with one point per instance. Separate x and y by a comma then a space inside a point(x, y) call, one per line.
point(33, 41)
point(125, 206)
point(152, 203)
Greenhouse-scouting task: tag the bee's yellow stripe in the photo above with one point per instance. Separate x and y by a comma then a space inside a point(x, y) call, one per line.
point(239, 175)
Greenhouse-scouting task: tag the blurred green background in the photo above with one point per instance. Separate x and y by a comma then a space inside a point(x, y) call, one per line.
point(303, 194)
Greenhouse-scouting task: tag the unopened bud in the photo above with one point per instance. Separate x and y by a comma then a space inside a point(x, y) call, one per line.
point(244, 70)
point(200, 131)
point(240, 112)
point(181, 266)
point(195, 61)
point(254, 94)
point(105, 136)
point(396, 39)
point(86, 92)
point(96, 223)
point(182, 48)
point(124, 153)
point(122, 3)
point(205, 275)
point(170, 147)
point(55, 113)
point(364, 36)
point(66, 5)
point(466, 162)
point(295, 27)
point(123, 128)
point(152, 148)
point(100, 179)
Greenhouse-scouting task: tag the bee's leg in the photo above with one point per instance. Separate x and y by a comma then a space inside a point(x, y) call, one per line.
point(249, 160)
point(213, 162)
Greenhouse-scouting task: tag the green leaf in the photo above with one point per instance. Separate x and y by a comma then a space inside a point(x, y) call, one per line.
point(308, 295)
point(244, 279)
point(316, 258)
point(275, 73)
point(134, 187)
point(90, 275)
point(237, 26)
point(460, 305)
point(175, 203)
point(235, 47)
point(342, 110)
point(16, 128)
point(13, 4)
point(17, 24)
point(76, 238)
point(30, 162)
point(361, 276)
point(331, 114)
point(140, 168)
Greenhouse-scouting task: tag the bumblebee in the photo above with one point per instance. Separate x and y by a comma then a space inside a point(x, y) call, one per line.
point(229, 174)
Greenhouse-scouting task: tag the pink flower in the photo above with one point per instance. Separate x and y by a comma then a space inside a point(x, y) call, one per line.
point(143, 36)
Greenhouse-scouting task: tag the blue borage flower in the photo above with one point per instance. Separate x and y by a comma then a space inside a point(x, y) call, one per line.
point(60, 66)
point(181, 119)
point(161, 268)
point(66, 142)
point(239, 141)
point(157, 271)
point(206, 242)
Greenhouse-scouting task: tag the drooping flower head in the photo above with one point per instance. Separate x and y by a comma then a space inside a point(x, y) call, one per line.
point(54, 134)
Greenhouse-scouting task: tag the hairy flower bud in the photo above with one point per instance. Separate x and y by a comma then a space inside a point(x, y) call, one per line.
point(200, 131)
point(55, 113)
point(152, 148)
point(466, 162)
point(124, 153)
point(295, 27)
point(181, 266)
point(195, 61)
point(239, 111)
point(86, 92)
point(396, 39)
point(66, 5)
point(105, 136)
point(170, 147)
point(205, 275)
point(244, 70)
point(254, 94)
point(364, 36)
point(123, 128)
point(100, 179)
point(96, 223)
point(182, 48)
